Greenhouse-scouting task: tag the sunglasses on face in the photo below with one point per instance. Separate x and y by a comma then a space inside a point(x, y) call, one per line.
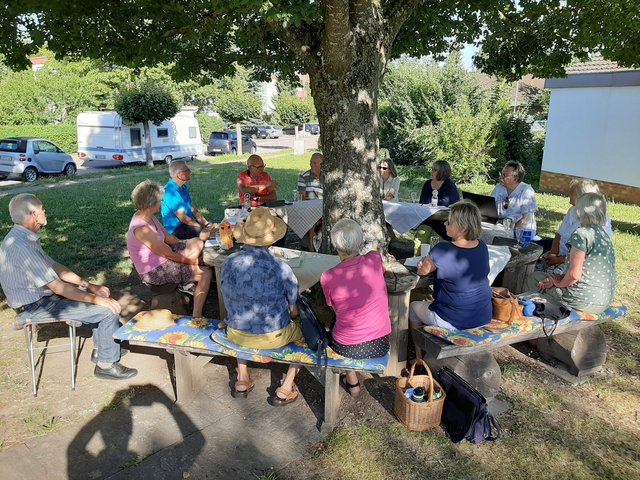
point(383, 168)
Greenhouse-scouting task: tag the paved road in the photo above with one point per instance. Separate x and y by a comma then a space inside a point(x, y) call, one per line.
point(264, 146)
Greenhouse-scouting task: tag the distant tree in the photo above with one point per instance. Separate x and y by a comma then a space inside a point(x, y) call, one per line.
point(146, 103)
point(292, 110)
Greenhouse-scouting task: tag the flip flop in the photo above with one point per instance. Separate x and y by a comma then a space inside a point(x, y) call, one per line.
point(243, 393)
point(290, 397)
point(350, 386)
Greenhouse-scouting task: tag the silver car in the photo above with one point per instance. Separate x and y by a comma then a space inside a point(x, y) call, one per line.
point(30, 157)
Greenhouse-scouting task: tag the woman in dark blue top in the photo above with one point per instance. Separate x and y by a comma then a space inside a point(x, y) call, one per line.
point(440, 181)
point(462, 294)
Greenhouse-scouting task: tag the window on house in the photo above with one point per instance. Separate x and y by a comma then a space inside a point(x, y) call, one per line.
point(192, 132)
point(163, 132)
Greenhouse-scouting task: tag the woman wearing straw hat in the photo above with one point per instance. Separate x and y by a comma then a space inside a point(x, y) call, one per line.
point(260, 293)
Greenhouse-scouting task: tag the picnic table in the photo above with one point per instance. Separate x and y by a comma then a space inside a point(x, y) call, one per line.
point(402, 216)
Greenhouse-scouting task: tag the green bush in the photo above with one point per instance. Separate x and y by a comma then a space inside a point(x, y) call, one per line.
point(514, 141)
point(65, 136)
point(208, 124)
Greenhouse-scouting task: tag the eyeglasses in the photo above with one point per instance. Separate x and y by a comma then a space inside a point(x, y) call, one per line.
point(258, 166)
point(505, 175)
point(383, 168)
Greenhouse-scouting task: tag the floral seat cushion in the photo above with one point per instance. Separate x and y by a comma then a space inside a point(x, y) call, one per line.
point(497, 331)
point(199, 334)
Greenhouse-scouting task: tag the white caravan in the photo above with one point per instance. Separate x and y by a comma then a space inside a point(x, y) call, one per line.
point(105, 136)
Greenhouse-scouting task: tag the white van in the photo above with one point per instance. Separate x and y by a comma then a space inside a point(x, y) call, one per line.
point(105, 136)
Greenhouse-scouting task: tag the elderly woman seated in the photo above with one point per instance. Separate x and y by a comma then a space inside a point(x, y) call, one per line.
point(590, 279)
point(356, 290)
point(159, 257)
point(442, 183)
point(260, 292)
point(556, 260)
point(462, 295)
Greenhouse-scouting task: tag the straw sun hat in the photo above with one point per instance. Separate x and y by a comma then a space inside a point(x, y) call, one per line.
point(260, 228)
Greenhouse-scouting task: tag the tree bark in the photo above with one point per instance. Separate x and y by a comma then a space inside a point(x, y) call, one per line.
point(147, 144)
point(346, 60)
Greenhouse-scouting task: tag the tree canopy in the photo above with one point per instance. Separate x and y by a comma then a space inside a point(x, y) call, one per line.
point(344, 46)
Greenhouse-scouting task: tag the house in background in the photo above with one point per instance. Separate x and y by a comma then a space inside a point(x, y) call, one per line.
point(593, 130)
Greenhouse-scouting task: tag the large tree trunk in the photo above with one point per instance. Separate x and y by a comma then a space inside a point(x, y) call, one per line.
point(345, 60)
point(348, 116)
point(147, 144)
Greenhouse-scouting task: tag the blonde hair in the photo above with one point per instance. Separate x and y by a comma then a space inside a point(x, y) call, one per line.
point(147, 194)
point(466, 215)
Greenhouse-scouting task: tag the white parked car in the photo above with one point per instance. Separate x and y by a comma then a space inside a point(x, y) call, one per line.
point(31, 157)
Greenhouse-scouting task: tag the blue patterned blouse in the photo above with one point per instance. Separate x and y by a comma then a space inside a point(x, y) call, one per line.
point(257, 289)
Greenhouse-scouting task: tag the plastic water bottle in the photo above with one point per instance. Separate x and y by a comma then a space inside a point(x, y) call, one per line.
point(528, 232)
point(434, 198)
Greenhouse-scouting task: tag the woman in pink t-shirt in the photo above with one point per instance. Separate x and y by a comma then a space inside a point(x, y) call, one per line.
point(159, 257)
point(357, 292)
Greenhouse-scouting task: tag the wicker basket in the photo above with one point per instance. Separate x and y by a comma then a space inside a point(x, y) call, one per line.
point(413, 415)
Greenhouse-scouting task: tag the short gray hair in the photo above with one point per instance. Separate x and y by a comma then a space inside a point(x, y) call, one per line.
point(21, 206)
point(592, 208)
point(466, 214)
point(147, 194)
point(518, 170)
point(347, 236)
point(442, 169)
point(583, 185)
point(177, 166)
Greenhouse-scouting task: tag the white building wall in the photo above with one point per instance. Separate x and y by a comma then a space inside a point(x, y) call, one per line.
point(594, 132)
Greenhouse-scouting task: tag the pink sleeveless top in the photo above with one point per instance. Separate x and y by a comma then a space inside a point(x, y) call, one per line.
point(143, 258)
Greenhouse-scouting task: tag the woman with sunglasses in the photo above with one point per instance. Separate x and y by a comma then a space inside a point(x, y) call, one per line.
point(461, 291)
point(390, 181)
point(514, 198)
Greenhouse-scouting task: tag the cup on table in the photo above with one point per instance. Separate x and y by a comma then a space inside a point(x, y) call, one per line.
point(507, 223)
point(295, 196)
point(434, 240)
point(414, 197)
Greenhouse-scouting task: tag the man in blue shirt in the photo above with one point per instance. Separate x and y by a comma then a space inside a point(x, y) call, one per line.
point(179, 216)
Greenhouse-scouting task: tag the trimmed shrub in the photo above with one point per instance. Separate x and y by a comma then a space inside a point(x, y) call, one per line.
point(208, 124)
point(64, 136)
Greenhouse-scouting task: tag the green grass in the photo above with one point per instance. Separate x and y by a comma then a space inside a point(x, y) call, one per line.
point(552, 430)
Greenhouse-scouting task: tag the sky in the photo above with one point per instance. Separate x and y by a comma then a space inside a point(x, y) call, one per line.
point(467, 52)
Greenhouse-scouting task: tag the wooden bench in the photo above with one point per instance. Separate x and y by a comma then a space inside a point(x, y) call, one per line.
point(580, 346)
point(192, 349)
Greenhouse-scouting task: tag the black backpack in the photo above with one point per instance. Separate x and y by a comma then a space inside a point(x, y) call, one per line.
point(314, 333)
point(465, 413)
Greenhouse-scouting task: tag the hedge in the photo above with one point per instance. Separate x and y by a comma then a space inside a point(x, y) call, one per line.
point(65, 136)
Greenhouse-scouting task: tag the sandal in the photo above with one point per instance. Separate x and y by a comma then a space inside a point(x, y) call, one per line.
point(244, 393)
point(350, 387)
point(290, 397)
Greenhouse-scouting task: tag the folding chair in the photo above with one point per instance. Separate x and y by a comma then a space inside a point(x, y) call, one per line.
point(31, 328)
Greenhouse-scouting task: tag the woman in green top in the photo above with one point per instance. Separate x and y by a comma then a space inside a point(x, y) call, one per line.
point(590, 279)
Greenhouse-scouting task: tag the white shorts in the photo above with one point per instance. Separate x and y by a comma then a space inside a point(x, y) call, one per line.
point(419, 313)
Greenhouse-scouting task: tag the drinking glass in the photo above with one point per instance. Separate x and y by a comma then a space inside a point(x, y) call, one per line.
point(507, 223)
point(295, 196)
point(434, 240)
point(414, 197)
